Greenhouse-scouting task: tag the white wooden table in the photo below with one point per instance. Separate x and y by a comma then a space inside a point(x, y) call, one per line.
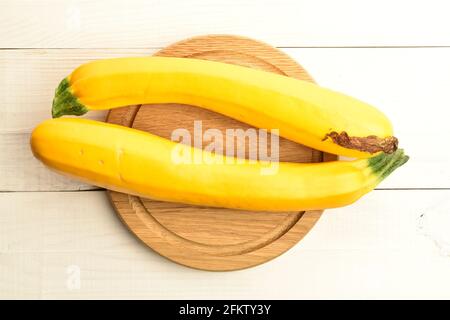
point(61, 239)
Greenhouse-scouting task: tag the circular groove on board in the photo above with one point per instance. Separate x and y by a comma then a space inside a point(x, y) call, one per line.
point(214, 238)
point(220, 250)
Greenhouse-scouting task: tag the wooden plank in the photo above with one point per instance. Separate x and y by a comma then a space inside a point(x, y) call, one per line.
point(375, 248)
point(409, 85)
point(142, 23)
point(28, 81)
point(22, 172)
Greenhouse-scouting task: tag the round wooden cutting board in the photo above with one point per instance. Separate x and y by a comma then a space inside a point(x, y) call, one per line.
point(211, 238)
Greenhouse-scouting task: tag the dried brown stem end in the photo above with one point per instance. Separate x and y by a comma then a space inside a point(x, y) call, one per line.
point(371, 144)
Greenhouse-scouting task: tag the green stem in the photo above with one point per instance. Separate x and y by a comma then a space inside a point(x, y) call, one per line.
point(65, 102)
point(378, 162)
point(399, 161)
point(384, 164)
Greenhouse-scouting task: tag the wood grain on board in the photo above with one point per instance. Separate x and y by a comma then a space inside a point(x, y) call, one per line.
point(214, 238)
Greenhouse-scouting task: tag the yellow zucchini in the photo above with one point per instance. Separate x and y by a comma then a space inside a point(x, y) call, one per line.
point(303, 112)
point(139, 163)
